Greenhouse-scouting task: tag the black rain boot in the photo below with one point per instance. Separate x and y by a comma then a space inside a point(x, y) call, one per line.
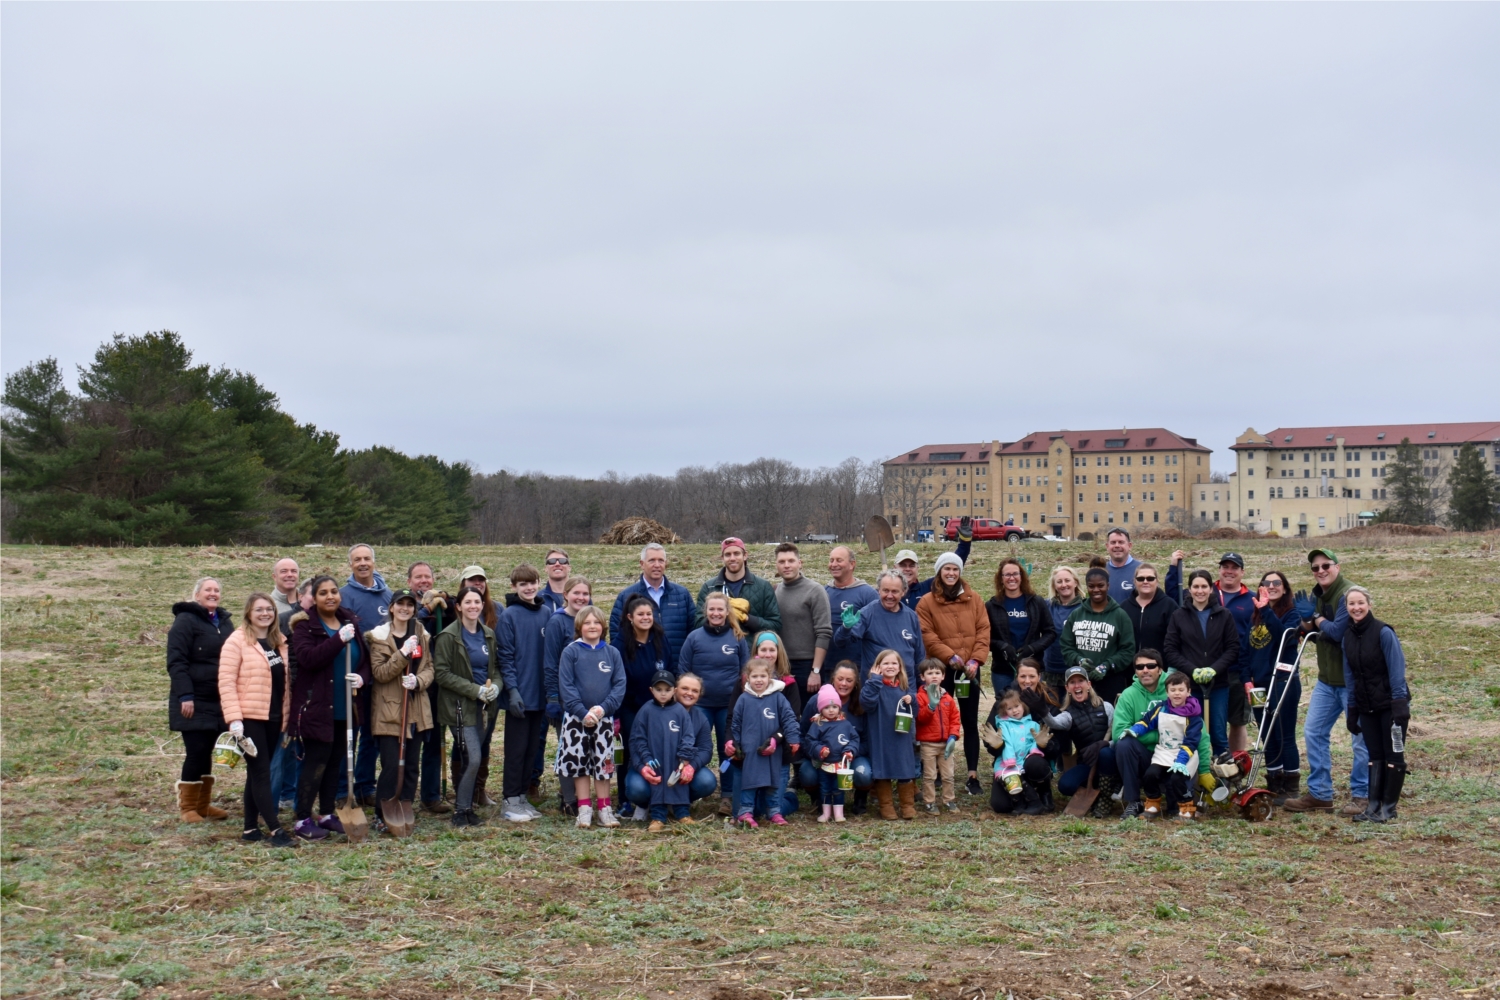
point(861, 802)
point(1273, 782)
point(1291, 787)
point(1033, 799)
point(1395, 777)
point(1373, 804)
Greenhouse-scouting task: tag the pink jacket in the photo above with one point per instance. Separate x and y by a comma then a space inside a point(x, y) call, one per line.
point(245, 678)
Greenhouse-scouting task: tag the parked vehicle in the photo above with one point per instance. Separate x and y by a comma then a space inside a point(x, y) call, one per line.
point(985, 529)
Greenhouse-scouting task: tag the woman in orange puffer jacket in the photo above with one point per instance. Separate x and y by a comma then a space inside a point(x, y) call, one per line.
point(256, 697)
point(956, 630)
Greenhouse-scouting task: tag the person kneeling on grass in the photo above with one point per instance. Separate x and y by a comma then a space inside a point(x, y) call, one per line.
point(938, 728)
point(832, 743)
point(1021, 769)
point(1178, 723)
point(662, 751)
point(763, 736)
point(689, 690)
point(591, 684)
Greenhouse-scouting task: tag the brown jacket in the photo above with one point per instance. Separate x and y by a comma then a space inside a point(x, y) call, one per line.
point(245, 678)
point(955, 628)
point(387, 665)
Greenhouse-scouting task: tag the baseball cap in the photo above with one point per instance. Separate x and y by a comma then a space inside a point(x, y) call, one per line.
point(472, 571)
point(404, 594)
point(1073, 672)
point(1326, 553)
point(664, 677)
point(732, 541)
point(906, 554)
point(1232, 557)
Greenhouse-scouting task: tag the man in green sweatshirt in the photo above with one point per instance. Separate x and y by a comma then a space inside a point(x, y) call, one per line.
point(1133, 756)
point(1099, 638)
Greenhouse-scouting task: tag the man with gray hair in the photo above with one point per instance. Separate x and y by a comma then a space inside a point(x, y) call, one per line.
point(675, 608)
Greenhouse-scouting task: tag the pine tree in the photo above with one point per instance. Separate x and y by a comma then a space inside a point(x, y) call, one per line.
point(1411, 497)
point(1473, 492)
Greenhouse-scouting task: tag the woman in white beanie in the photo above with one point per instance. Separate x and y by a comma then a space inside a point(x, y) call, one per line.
point(956, 630)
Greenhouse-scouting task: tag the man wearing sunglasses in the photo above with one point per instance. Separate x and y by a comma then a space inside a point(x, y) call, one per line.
point(1325, 615)
point(551, 594)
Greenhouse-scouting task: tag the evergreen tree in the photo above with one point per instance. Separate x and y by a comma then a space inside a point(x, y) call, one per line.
point(1473, 492)
point(409, 500)
point(1411, 497)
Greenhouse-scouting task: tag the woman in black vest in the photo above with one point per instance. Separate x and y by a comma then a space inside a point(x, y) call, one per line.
point(1379, 702)
point(1087, 719)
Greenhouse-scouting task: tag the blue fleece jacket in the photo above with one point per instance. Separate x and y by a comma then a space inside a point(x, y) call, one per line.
point(840, 598)
point(665, 734)
point(1241, 607)
point(757, 718)
point(879, 629)
point(559, 634)
point(523, 650)
point(1122, 579)
point(840, 736)
point(676, 613)
point(716, 656)
point(371, 605)
point(590, 675)
point(547, 596)
point(1266, 639)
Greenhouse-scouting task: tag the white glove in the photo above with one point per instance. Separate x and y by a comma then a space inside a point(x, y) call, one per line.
point(237, 729)
point(489, 692)
point(410, 644)
point(346, 634)
point(409, 681)
point(355, 681)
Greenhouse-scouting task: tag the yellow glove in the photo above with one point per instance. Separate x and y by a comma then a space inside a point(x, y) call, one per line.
point(1207, 781)
point(740, 607)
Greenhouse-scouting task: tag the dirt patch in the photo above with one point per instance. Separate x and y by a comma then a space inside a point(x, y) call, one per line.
point(1377, 531)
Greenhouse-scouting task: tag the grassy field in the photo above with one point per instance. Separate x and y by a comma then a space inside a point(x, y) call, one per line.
point(105, 894)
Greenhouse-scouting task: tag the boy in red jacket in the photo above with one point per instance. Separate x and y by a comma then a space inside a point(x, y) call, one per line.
point(937, 734)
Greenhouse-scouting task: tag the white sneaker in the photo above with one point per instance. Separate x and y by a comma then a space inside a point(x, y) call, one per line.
point(515, 810)
point(606, 816)
point(585, 816)
point(640, 814)
point(525, 803)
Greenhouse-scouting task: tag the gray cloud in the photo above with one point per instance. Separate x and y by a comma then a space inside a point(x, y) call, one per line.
point(638, 237)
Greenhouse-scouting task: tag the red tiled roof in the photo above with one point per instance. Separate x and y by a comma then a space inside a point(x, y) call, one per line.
point(1128, 439)
point(961, 453)
point(1375, 435)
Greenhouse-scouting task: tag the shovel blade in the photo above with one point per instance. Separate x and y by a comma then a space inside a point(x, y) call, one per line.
point(1081, 802)
point(399, 818)
point(356, 826)
point(878, 534)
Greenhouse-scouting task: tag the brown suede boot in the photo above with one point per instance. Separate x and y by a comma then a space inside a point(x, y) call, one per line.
point(907, 791)
point(885, 800)
point(481, 798)
point(205, 807)
point(187, 800)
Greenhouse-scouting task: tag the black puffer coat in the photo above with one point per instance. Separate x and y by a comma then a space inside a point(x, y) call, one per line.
point(1189, 649)
point(193, 665)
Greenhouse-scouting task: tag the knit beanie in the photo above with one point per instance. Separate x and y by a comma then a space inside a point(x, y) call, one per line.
point(827, 695)
point(947, 559)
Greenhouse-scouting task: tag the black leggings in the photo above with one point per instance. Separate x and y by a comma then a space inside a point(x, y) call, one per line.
point(390, 766)
point(521, 738)
point(1176, 782)
point(320, 773)
point(260, 801)
point(199, 744)
point(968, 715)
point(1384, 738)
point(1035, 772)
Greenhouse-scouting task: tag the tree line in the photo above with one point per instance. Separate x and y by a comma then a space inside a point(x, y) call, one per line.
point(153, 449)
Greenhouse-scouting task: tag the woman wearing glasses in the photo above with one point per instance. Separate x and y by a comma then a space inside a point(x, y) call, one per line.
point(1275, 615)
point(1150, 607)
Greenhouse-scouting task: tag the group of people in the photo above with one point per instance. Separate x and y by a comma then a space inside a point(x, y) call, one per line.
point(1123, 679)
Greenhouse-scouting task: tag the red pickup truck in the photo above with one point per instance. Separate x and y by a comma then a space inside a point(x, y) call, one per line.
point(985, 529)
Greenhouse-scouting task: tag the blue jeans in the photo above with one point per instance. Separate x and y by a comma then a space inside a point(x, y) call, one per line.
point(829, 792)
point(809, 775)
point(1324, 711)
point(285, 769)
point(1075, 777)
point(638, 792)
point(1218, 720)
point(718, 719)
point(764, 801)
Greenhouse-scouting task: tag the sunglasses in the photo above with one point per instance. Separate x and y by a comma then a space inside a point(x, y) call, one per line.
point(557, 561)
point(1145, 579)
point(1146, 666)
point(1271, 584)
point(1322, 567)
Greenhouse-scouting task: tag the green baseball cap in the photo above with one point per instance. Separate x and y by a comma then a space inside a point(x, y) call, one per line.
point(1326, 553)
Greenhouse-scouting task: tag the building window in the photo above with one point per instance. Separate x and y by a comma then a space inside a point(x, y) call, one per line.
point(1250, 495)
point(1156, 517)
point(1023, 521)
point(1216, 520)
point(1080, 517)
point(1111, 517)
point(1322, 523)
point(1171, 517)
point(1286, 522)
point(1096, 517)
point(1202, 516)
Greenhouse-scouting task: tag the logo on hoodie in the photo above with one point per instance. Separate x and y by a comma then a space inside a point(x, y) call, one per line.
point(604, 666)
point(907, 635)
point(672, 725)
point(768, 712)
point(728, 650)
point(843, 740)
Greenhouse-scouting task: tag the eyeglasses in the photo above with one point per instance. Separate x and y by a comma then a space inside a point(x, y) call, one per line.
point(1322, 567)
point(1145, 579)
point(557, 561)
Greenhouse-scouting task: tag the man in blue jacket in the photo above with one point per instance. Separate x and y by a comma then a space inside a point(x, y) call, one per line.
point(370, 599)
point(1240, 601)
point(521, 652)
point(675, 609)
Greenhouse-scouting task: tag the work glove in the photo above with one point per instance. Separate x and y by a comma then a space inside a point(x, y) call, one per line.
point(741, 608)
point(1203, 675)
point(554, 708)
point(730, 750)
point(355, 681)
point(1098, 673)
point(649, 773)
point(410, 644)
point(849, 616)
point(1180, 764)
point(1090, 753)
point(768, 747)
point(1400, 709)
point(489, 692)
point(948, 750)
point(1351, 723)
point(934, 695)
point(1304, 605)
point(686, 771)
point(1085, 662)
point(517, 705)
point(409, 681)
point(346, 634)
point(965, 529)
point(434, 599)
point(237, 729)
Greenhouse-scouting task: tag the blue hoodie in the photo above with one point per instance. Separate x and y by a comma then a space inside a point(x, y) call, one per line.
point(554, 601)
point(703, 739)
point(892, 754)
point(758, 717)
point(879, 629)
point(523, 649)
point(590, 675)
point(840, 736)
point(1265, 641)
point(1242, 608)
point(840, 598)
point(665, 734)
point(1052, 659)
point(559, 634)
point(371, 605)
point(676, 613)
point(715, 656)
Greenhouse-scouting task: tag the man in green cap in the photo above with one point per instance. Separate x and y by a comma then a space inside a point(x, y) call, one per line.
point(1323, 613)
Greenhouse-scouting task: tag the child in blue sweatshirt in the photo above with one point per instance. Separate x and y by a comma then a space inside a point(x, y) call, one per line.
point(591, 686)
point(663, 748)
point(832, 743)
point(887, 700)
point(1178, 722)
point(763, 736)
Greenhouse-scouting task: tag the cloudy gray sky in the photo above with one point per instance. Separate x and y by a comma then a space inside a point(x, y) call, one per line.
point(637, 237)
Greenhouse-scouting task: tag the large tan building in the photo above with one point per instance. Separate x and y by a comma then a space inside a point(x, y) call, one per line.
point(1311, 481)
point(927, 484)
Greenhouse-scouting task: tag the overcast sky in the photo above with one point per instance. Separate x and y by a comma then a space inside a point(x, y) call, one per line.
point(638, 237)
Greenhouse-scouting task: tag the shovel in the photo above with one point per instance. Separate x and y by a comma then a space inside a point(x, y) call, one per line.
point(399, 818)
point(1083, 799)
point(350, 814)
point(879, 537)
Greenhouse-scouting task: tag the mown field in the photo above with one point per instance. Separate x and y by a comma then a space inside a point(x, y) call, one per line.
point(105, 894)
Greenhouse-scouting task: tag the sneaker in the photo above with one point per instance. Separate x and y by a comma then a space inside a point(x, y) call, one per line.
point(607, 816)
point(688, 821)
point(252, 836)
point(287, 805)
point(378, 825)
point(525, 803)
point(462, 817)
point(282, 839)
point(748, 822)
point(657, 826)
point(331, 823)
point(951, 806)
point(1132, 810)
point(972, 786)
point(585, 817)
point(515, 810)
point(778, 820)
point(309, 830)
point(930, 807)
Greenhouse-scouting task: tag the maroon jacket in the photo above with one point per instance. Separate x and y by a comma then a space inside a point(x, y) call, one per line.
point(315, 661)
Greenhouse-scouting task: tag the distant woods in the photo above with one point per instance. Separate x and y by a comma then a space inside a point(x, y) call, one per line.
point(155, 450)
